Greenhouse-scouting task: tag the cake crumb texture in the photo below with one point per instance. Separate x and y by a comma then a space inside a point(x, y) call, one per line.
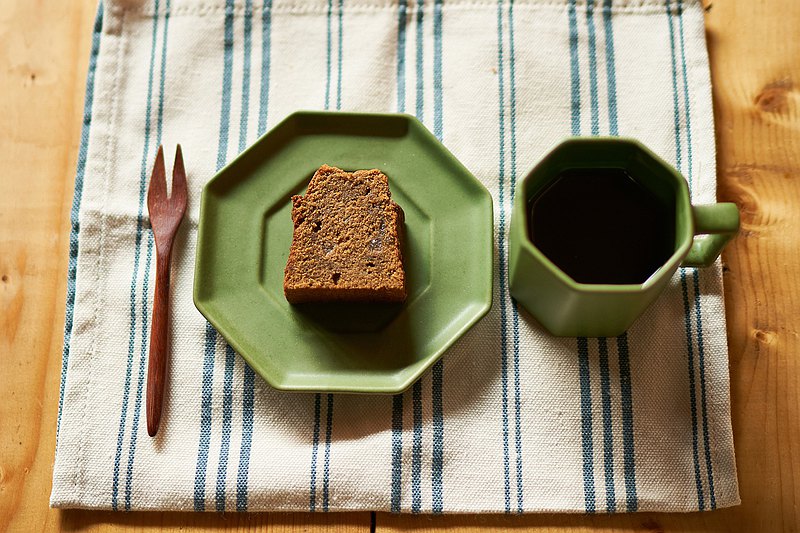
point(346, 243)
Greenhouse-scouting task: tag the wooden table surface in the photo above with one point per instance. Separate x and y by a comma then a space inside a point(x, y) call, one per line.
point(755, 62)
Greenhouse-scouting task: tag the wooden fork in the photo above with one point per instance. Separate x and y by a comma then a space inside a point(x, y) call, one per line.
point(166, 213)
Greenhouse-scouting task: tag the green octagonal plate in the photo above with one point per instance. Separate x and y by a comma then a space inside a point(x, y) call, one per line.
point(246, 229)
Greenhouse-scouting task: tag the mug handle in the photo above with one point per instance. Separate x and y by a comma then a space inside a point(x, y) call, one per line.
point(718, 224)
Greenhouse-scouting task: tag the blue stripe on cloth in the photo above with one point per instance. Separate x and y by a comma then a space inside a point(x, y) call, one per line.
point(702, 365)
point(605, 392)
point(312, 491)
point(687, 108)
point(437, 380)
point(402, 10)
point(420, 71)
point(80, 172)
point(227, 81)
point(628, 449)
point(140, 378)
point(205, 419)
point(629, 459)
point(247, 391)
point(397, 451)
point(608, 434)
point(211, 334)
point(692, 394)
point(514, 310)
point(416, 450)
point(318, 397)
point(146, 282)
point(248, 402)
point(329, 418)
point(328, 60)
point(586, 425)
point(397, 400)
point(266, 65)
point(162, 82)
point(136, 257)
point(501, 256)
point(686, 305)
point(575, 85)
point(416, 391)
point(437, 69)
point(517, 410)
point(583, 343)
point(611, 75)
point(695, 274)
point(437, 458)
point(248, 382)
point(676, 106)
point(339, 57)
point(595, 103)
point(247, 52)
point(326, 466)
point(227, 416)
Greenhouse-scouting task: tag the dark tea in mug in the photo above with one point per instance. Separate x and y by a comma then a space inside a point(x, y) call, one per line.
point(600, 226)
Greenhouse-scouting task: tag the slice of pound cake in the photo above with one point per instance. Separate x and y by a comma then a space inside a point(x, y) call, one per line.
point(346, 240)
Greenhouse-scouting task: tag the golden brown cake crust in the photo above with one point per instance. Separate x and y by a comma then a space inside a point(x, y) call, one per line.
point(346, 244)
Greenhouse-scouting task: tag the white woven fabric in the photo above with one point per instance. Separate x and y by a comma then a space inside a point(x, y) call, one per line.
point(514, 420)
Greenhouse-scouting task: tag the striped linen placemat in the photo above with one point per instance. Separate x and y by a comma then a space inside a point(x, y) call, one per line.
point(512, 419)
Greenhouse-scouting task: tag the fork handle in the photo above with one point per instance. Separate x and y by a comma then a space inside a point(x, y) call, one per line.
point(157, 368)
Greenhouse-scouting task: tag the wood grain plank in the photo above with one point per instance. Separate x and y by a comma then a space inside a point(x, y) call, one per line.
point(756, 65)
point(110, 522)
point(43, 57)
point(555, 523)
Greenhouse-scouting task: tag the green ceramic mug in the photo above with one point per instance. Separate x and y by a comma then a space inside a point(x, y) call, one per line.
point(599, 309)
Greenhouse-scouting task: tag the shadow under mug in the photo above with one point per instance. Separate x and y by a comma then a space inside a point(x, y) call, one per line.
point(566, 307)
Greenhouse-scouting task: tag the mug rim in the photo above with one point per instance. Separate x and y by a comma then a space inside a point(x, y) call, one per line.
point(683, 197)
